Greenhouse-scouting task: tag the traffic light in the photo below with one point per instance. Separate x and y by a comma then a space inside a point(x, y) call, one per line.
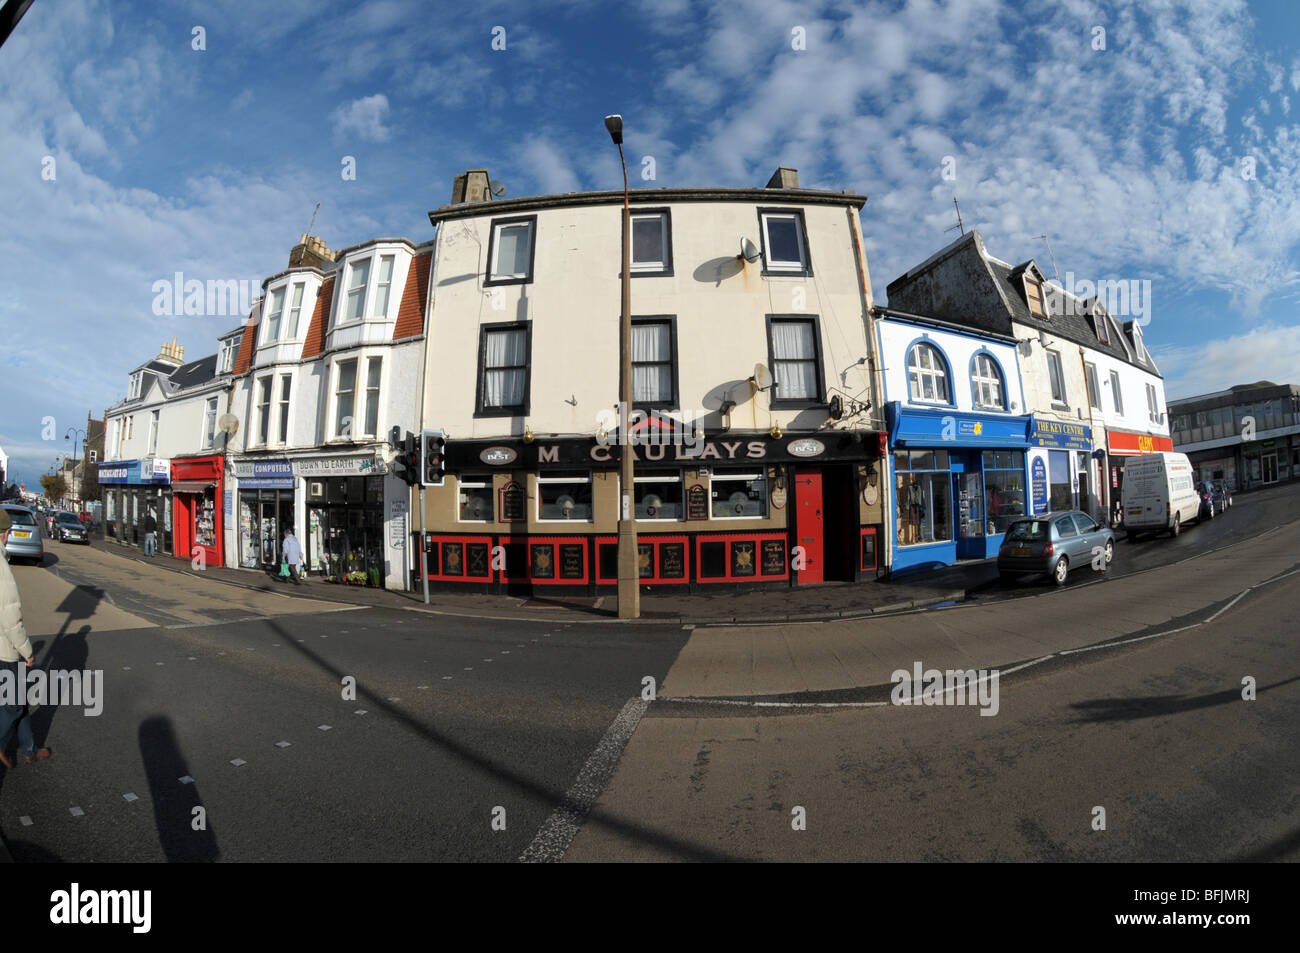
point(432, 445)
point(411, 459)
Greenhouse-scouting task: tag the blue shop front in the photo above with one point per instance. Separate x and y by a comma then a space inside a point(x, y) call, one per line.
point(959, 480)
point(134, 490)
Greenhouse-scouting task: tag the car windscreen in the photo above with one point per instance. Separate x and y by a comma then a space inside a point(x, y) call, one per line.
point(1027, 529)
point(69, 518)
point(21, 518)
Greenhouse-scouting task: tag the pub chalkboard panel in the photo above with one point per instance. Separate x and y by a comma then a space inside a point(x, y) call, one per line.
point(773, 557)
point(713, 560)
point(572, 561)
point(451, 560)
point(543, 555)
point(608, 556)
point(477, 559)
point(672, 560)
point(743, 562)
point(512, 503)
point(646, 559)
point(697, 503)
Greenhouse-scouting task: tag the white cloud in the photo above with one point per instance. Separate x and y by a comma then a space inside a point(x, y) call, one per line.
point(1268, 352)
point(548, 167)
point(362, 119)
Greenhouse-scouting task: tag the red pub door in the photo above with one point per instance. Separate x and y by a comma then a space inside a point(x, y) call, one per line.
point(809, 527)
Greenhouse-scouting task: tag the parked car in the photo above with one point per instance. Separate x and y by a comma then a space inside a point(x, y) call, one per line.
point(1054, 543)
point(1159, 494)
point(1221, 487)
point(1214, 498)
point(69, 529)
point(49, 516)
point(24, 541)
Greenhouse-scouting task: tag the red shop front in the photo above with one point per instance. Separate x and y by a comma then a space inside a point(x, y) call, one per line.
point(196, 508)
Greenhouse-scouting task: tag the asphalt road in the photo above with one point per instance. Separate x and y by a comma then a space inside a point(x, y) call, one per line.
point(460, 718)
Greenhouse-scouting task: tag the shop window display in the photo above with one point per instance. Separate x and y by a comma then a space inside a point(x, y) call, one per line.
point(923, 493)
point(1004, 487)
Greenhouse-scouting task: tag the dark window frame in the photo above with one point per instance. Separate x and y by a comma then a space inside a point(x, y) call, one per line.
point(807, 270)
point(671, 321)
point(484, 331)
point(496, 223)
point(667, 270)
point(788, 403)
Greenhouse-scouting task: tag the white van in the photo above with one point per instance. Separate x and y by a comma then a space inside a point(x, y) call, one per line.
point(1159, 493)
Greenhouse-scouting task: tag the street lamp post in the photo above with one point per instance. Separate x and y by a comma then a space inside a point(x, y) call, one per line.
point(629, 581)
point(75, 435)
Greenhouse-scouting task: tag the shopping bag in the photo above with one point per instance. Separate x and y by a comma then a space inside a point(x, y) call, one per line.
point(284, 569)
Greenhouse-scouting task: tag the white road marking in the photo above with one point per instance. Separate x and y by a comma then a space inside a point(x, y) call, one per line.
point(323, 727)
point(239, 762)
point(76, 812)
point(740, 702)
point(282, 744)
point(1240, 596)
point(25, 821)
point(359, 711)
point(129, 797)
point(555, 835)
point(186, 779)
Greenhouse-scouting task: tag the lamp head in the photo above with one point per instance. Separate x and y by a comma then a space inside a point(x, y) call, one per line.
point(615, 126)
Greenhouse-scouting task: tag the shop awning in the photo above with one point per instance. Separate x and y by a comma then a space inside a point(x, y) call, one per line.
point(193, 486)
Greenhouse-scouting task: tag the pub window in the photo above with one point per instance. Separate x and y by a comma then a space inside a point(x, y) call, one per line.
point(658, 496)
point(503, 381)
point(653, 356)
point(796, 361)
point(564, 496)
point(510, 257)
point(738, 495)
point(476, 498)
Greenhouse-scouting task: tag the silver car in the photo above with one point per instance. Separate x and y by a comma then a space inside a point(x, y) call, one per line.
point(24, 540)
point(1054, 543)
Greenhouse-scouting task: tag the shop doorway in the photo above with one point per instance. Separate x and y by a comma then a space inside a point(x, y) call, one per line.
point(1268, 463)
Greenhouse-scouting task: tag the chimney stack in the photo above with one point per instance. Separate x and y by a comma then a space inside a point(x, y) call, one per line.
point(172, 353)
point(783, 178)
point(471, 186)
point(311, 252)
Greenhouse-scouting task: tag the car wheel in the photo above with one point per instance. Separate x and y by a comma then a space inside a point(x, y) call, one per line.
point(1110, 553)
point(1061, 572)
point(1178, 525)
point(1211, 511)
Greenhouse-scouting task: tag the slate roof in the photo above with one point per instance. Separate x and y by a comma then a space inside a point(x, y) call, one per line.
point(963, 284)
point(195, 372)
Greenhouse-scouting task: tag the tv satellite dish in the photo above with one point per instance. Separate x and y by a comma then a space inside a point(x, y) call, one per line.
point(498, 188)
point(762, 376)
point(228, 424)
point(748, 250)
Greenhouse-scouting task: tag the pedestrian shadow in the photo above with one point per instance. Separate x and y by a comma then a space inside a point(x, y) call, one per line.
point(520, 783)
point(68, 653)
point(1155, 706)
point(174, 803)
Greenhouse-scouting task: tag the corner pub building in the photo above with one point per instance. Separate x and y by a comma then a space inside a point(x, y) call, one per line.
point(745, 475)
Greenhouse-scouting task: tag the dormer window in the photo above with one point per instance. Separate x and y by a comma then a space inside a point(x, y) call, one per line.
point(229, 351)
point(273, 312)
point(134, 390)
point(385, 285)
point(1034, 296)
point(295, 311)
point(358, 279)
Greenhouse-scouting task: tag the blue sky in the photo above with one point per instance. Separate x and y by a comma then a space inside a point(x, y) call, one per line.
point(167, 158)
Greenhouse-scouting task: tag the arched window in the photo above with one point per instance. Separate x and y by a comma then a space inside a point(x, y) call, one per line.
point(986, 383)
point(926, 375)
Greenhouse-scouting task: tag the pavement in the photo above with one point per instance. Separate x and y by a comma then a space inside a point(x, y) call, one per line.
point(826, 601)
